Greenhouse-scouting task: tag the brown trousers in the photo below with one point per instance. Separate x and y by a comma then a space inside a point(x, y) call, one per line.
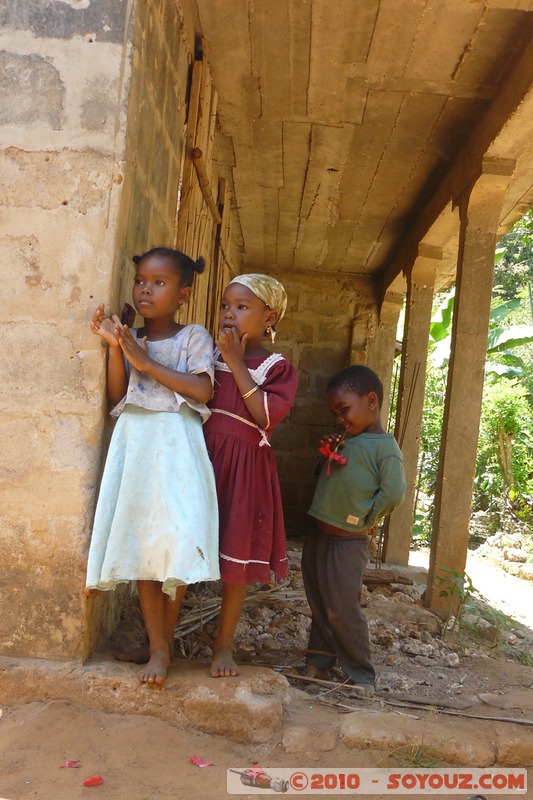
point(332, 568)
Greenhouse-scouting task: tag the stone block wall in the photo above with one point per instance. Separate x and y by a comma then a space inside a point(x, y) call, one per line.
point(324, 330)
point(162, 54)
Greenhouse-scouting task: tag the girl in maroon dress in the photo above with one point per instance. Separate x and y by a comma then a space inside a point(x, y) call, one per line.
point(254, 390)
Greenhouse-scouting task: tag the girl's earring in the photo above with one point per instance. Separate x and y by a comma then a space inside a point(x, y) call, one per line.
point(272, 333)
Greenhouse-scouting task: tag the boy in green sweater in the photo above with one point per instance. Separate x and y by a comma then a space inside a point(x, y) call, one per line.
point(362, 480)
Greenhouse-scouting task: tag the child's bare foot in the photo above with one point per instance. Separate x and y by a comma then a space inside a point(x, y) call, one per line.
point(140, 655)
point(314, 672)
point(156, 669)
point(91, 593)
point(223, 664)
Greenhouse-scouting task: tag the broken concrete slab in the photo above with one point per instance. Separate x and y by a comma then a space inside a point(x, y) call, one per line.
point(246, 709)
point(462, 744)
point(514, 746)
point(303, 739)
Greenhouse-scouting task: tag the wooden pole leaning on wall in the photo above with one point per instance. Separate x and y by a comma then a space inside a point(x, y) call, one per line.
point(203, 180)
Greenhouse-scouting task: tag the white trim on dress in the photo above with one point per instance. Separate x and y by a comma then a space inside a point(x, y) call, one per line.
point(259, 376)
point(249, 561)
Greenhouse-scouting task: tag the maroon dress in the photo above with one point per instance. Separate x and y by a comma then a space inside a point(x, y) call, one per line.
point(252, 531)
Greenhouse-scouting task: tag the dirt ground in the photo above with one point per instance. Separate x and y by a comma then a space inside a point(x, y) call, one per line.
point(142, 758)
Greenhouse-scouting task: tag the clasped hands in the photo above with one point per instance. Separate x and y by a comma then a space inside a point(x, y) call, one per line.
point(116, 333)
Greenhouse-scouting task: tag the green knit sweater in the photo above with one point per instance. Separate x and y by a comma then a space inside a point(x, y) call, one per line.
point(370, 486)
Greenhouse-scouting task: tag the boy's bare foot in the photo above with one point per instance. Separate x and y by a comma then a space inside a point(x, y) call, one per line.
point(314, 672)
point(156, 669)
point(223, 664)
point(91, 593)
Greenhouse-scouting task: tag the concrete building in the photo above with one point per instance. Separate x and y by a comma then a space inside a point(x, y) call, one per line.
point(363, 153)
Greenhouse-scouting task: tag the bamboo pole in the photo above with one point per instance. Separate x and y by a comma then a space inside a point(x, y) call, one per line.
point(203, 180)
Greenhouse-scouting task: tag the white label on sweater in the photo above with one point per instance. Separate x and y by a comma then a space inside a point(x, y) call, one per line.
point(352, 520)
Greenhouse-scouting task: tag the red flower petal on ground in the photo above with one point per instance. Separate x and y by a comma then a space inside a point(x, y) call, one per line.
point(200, 762)
point(94, 780)
point(70, 765)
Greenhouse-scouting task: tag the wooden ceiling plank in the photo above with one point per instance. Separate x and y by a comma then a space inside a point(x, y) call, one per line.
point(355, 99)
point(396, 27)
point(343, 35)
point(224, 24)
point(495, 47)
point(338, 244)
point(434, 55)
point(250, 210)
point(296, 153)
point(225, 152)
point(337, 41)
point(362, 163)
point(366, 149)
point(270, 32)
point(329, 153)
point(270, 201)
point(268, 152)
point(299, 56)
point(320, 200)
point(395, 171)
point(385, 198)
point(466, 166)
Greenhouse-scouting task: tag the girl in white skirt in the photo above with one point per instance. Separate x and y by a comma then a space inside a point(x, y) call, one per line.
point(156, 520)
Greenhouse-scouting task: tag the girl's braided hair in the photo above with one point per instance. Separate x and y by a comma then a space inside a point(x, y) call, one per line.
point(186, 267)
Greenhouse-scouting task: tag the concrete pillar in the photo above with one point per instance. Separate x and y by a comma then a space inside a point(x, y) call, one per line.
point(382, 345)
point(479, 216)
point(410, 402)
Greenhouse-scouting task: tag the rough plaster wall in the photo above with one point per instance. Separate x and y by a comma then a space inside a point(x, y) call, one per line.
point(62, 87)
point(325, 316)
point(92, 122)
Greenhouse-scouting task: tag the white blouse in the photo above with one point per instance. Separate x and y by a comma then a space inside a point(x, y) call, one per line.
point(190, 350)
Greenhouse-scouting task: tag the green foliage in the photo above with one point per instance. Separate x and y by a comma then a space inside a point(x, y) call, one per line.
point(505, 449)
point(414, 755)
point(422, 526)
point(522, 656)
point(431, 431)
point(514, 258)
point(504, 468)
point(458, 589)
point(441, 323)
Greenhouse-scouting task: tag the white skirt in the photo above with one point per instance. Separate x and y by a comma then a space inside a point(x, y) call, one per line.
point(156, 517)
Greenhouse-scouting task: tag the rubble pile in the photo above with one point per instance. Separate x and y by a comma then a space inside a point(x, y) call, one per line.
point(511, 551)
point(412, 655)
